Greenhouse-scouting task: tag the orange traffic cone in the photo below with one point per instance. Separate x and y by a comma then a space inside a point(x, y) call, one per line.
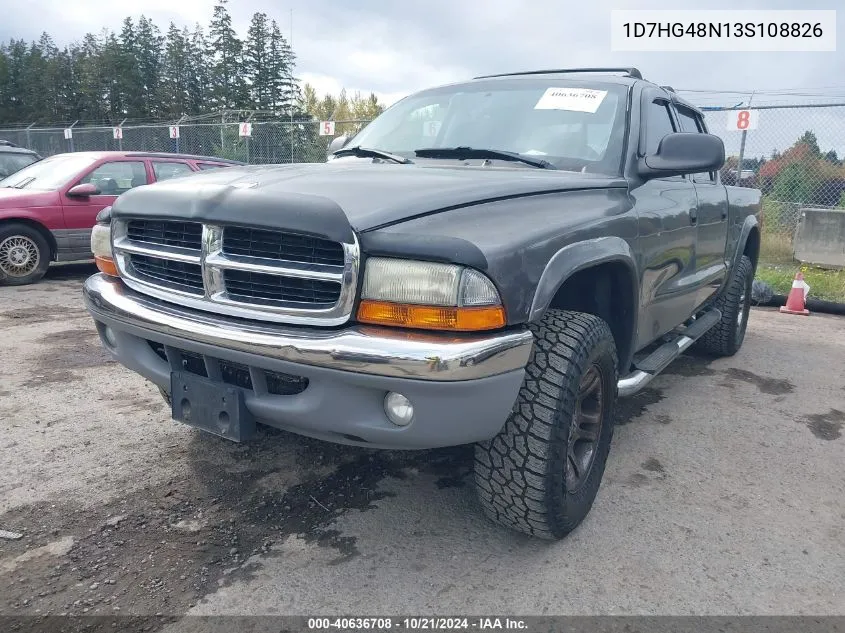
point(795, 300)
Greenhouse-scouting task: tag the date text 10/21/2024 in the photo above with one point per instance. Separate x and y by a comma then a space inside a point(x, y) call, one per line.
point(418, 624)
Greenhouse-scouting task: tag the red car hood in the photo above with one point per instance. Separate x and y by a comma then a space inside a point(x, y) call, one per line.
point(22, 198)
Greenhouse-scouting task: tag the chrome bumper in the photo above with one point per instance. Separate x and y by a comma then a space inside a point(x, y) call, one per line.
point(363, 349)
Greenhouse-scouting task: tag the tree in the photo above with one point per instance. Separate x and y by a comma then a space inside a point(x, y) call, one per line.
point(174, 74)
point(809, 138)
point(256, 62)
point(138, 73)
point(228, 85)
point(148, 52)
point(310, 101)
point(198, 86)
point(93, 88)
point(284, 90)
point(128, 72)
point(794, 184)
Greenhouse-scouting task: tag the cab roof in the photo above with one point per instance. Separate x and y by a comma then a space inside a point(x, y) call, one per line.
point(622, 76)
point(129, 154)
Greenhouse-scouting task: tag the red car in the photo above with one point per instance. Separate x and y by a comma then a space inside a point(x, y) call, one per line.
point(47, 209)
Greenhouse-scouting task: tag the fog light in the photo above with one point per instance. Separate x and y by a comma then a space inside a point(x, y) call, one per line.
point(108, 334)
point(398, 408)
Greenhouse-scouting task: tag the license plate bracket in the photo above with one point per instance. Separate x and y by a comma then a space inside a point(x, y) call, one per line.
point(210, 406)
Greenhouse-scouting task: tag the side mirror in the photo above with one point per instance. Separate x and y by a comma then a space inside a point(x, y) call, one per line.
point(683, 153)
point(336, 144)
point(83, 191)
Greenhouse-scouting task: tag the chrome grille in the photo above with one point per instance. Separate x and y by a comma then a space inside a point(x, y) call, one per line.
point(178, 275)
point(239, 271)
point(284, 246)
point(269, 289)
point(167, 233)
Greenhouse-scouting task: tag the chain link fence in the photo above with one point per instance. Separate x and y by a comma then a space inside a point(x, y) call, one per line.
point(268, 142)
point(794, 154)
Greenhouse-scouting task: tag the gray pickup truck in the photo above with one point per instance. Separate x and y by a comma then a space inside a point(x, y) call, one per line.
point(491, 262)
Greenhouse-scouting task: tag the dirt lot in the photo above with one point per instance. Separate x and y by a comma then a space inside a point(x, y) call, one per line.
point(724, 494)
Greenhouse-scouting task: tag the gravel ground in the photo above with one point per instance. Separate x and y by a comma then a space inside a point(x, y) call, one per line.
point(723, 495)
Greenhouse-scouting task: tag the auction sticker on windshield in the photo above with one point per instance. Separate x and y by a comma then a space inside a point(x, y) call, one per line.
point(574, 99)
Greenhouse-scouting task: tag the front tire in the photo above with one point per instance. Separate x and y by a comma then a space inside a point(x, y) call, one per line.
point(726, 337)
point(541, 473)
point(24, 255)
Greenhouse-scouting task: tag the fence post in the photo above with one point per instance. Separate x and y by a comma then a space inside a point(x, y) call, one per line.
point(120, 140)
point(222, 137)
point(70, 140)
point(742, 148)
point(28, 140)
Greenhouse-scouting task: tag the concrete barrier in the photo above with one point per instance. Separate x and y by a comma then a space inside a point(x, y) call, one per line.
point(820, 239)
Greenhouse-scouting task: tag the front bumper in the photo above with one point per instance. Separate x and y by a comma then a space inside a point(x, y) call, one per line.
point(462, 387)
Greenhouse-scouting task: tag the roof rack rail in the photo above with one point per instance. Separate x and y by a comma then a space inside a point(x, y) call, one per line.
point(629, 72)
point(668, 88)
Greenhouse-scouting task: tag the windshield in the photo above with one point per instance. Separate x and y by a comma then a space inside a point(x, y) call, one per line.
point(574, 125)
point(49, 174)
point(12, 162)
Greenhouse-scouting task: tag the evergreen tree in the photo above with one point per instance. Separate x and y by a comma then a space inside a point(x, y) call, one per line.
point(93, 89)
point(174, 75)
point(16, 55)
point(129, 74)
point(148, 52)
point(256, 61)
point(198, 86)
point(228, 84)
point(136, 73)
point(284, 89)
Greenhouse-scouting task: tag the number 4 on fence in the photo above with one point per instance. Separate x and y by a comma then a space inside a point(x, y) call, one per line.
point(742, 120)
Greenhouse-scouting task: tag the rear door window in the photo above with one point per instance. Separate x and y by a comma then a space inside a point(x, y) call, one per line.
point(167, 170)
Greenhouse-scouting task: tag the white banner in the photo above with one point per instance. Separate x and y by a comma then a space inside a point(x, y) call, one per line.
point(245, 129)
point(326, 128)
point(741, 120)
point(174, 131)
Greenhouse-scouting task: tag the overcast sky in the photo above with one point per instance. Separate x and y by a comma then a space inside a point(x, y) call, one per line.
point(393, 48)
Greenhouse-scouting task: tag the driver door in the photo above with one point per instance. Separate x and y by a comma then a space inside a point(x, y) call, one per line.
point(111, 178)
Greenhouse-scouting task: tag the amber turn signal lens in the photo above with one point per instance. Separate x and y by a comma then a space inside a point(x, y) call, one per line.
point(431, 317)
point(106, 265)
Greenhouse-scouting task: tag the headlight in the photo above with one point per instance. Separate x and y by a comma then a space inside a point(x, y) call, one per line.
point(101, 247)
point(428, 295)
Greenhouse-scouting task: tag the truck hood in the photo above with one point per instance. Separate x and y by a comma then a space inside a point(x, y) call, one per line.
point(311, 197)
point(22, 198)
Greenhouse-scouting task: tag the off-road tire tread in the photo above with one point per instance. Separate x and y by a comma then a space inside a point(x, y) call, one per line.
point(721, 339)
point(513, 471)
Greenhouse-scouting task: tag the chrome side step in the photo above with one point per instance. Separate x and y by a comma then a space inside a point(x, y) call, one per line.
point(662, 357)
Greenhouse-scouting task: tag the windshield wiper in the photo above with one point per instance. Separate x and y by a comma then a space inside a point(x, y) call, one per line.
point(23, 183)
point(473, 152)
point(368, 152)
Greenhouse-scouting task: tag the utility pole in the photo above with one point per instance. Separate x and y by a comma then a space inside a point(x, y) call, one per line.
point(290, 73)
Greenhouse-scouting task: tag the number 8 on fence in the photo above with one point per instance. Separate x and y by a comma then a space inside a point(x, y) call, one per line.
point(742, 120)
